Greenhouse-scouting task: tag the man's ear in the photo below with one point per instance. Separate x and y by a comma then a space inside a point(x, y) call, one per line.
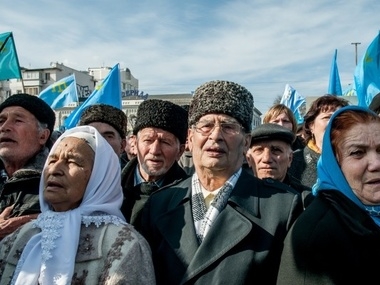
point(44, 135)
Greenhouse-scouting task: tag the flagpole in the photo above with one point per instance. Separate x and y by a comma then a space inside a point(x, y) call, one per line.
point(356, 52)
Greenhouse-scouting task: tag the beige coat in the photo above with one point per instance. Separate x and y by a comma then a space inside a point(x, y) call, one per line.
point(108, 255)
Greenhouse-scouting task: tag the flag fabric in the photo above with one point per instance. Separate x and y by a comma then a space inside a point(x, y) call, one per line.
point(107, 92)
point(61, 93)
point(9, 66)
point(335, 88)
point(367, 74)
point(294, 101)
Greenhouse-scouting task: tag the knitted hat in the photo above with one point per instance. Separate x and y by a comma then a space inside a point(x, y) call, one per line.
point(155, 113)
point(105, 114)
point(41, 110)
point(222, 97)
point(266, 132)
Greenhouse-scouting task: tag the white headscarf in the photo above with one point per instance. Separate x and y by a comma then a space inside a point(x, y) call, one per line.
point(49, 257)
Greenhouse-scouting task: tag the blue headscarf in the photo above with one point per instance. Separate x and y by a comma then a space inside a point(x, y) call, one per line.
point(330, 175)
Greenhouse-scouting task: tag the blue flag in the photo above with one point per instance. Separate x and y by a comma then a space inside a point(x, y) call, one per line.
point(9, 66)
point(107, 92)
point(61, 93)
point(367, 74)
point(294, 101)
point(335, 88)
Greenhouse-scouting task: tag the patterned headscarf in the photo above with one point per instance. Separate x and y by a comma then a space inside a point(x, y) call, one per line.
point(49, 256)
point(330, 175)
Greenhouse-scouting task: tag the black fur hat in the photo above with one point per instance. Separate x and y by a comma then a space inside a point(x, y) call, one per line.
point(155, 113)
point(38, 107)
point(105, 114)
point(222, 97)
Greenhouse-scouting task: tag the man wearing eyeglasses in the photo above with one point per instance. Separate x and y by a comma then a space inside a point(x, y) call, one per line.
point(222, 225)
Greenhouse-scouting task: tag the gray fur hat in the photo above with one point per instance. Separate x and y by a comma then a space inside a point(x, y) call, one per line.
point(105, 114)
point(268, 132)
point(155, 113)
point(222, 97)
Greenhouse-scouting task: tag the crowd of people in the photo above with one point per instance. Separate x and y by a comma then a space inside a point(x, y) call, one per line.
point(193, 195)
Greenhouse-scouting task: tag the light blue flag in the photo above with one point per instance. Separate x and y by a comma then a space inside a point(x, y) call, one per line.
point(107, 92)
point(61, 93)
point(335, 88)
point(294, 101)
point(9, 66)
point(367, 74)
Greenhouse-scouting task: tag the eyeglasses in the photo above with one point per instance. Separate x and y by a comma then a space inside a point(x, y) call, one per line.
point(206, 128)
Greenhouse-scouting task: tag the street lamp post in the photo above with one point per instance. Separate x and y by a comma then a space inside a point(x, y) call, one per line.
point(356, 52)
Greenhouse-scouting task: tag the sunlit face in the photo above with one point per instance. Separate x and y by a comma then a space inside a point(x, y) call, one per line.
point(360, 161)
point(218, 152)
point(157, 150)
point(282, 120)
point(20, 135)
point(111, 135)
point(318, 126)
point(270, 159)
point(67, 173)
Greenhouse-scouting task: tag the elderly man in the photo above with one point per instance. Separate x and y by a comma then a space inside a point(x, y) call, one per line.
point(26, 123)
point(270, 155)
point(110, 122)
point(160, 130)
point(222, 225)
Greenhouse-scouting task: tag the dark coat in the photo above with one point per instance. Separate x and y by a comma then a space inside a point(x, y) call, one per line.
point(242, 247)
point(134, 199)
point(332, 242)
point(304, 166)
point(21, 190)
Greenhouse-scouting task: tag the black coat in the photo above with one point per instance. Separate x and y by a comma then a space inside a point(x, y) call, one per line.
point(332, 242)
point(242, 247)
point(134, 199)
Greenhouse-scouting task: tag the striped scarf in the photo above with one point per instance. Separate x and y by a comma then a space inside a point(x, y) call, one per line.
point(203, 217)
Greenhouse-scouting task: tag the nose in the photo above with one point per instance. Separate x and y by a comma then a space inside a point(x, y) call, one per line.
point(5, 126)
point(216, 132)
point(374, 163)
point(266, 155)
point(155, 147)
point(55, 168)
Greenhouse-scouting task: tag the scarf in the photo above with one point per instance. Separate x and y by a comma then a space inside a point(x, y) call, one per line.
point(204, 218)
point(330, 175)
point(49, 257)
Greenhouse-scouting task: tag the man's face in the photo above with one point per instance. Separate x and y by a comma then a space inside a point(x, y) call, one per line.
point(157, 150)
point(222, 148)
point(270, 159)
point(111, 135)
point(67, 173)
point(20, 135)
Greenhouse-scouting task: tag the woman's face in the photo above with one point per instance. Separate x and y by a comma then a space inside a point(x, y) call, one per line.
point(360, 161)
point(318, 126)
point(282, 120)
point(67, 173)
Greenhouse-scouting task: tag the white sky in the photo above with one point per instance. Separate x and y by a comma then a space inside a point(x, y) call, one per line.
point(173, 46)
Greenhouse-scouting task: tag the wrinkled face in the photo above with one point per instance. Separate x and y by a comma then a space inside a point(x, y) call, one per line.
point(67, 173)
point(157, 150)
point(282, 120)
point(111, 135)
point(20, 135)
point(360, 161)
point(270, 159)
point(221, 151)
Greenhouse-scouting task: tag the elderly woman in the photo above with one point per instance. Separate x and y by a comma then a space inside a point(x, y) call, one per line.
point(304, 164)
point(81, 236)
point(336, 239)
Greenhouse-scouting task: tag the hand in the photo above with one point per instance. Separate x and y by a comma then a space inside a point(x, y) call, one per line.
point(9, 225)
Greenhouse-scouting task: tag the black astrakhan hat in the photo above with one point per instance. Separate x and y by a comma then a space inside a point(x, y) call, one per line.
point(105, 114)
point(155, 113)
point(38, 107)
point(270, 131)
point(222, 97)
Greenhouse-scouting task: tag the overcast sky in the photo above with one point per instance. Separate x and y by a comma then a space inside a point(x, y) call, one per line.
point(173, 46)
